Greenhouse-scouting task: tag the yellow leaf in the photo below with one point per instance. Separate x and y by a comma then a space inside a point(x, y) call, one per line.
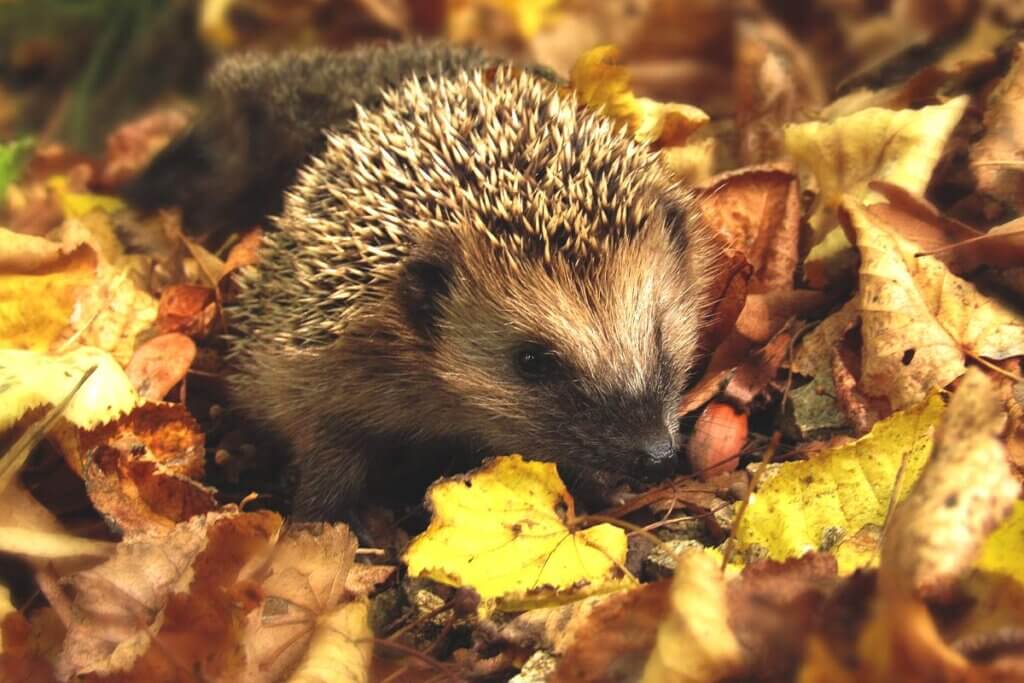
point(502, 530)
point(29, 380)
point(918, 319)
point(966, 489)
point(1003, 552)
point(36, 306)
point(78, 204)
point(603, 84)
point(842, 490)
point(464, 16)
point(900, 147)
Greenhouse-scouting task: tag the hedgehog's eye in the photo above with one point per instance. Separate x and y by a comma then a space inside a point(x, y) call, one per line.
point(536, 363)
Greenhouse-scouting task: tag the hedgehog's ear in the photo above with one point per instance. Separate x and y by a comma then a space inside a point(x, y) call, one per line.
point(421, 287)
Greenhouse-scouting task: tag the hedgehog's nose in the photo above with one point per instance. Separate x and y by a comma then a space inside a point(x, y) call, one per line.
point(657, 459)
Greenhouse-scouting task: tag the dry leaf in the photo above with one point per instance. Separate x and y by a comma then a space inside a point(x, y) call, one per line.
point(695, 642)
point(615, 637)
point(164, 605)
point(996, 158)
point(918, 319)
point(756, 211)
point(142, 471)
point(159, 364)
point(603, 84)
point(963, 493)
point(302, 580)
point(340, 649)
point(843, 156)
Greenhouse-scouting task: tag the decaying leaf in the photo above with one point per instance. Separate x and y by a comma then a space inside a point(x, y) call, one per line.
point(166, 602)
point(142, 471)
point(616, 636)
point(340, 648)
point(695, 642)
point(963, 493)
point(844, 155)
point(802, 504)
point(503, 531)
point(159, 364)
point(918, 320)
point(757, 212)
point(303, 581)
point(996, 158)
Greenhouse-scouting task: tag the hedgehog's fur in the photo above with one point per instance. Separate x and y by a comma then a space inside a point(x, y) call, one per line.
point(465, 217)
point(263, 116)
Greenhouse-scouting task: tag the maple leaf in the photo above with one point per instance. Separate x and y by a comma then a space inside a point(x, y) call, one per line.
point(503, 531)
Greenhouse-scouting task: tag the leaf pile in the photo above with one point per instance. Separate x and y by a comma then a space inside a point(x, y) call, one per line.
point(856, 446)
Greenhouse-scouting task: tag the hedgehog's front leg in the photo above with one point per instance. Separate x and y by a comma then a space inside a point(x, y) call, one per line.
point(327, 481)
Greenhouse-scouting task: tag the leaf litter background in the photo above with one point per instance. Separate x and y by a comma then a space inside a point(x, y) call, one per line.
point(856, 437)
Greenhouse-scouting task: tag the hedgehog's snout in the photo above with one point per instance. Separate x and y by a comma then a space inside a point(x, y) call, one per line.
point(656, 459)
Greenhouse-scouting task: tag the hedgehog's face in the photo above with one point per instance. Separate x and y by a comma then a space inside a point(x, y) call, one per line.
point(578, 364)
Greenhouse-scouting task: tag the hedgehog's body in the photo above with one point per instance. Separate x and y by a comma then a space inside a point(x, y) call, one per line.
point(477, 261)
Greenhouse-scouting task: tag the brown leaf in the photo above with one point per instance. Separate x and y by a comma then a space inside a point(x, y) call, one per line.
point(918, 319)
point(757, 212)
point(303, 578)
point(188, 309)
point(963, 493)
point(163, 608)
point(159, 364)
point(133, 145)
point(777, 82)
point(962, 248)
point(996, 158)
point(774, 606)
point(621, 631)
point(142, 471)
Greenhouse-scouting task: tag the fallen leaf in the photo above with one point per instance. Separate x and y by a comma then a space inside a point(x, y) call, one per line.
point(603, 84)
point(503, 531)
point(187, 309)
point(1002, 552)
point(962, 494)
point(695, 642)
point(996, 158)
point(142, 472)
point(614, 637)
point(159, 364)
point(773, 607)
point(340, 649)
point(844, 155)
point(303, 581)
point(840, 491)
point(163, 605)
point(918, 320)
point(29, 380)
point(36, 306)
point(777, 82)
point(756, 210)
point(78, 204)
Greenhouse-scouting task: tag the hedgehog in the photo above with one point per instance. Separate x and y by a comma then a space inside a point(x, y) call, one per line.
point(473, 263)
